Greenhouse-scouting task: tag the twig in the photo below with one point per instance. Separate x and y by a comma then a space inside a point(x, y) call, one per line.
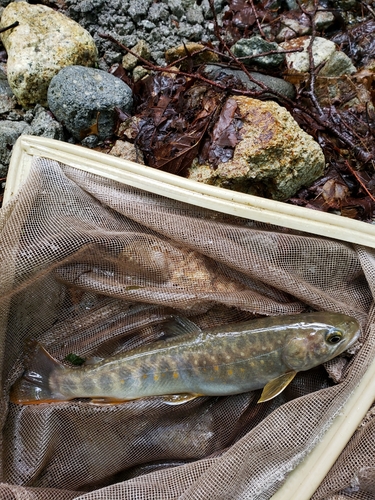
point(13, 25)
point(257, 19)
point(311, 91)
point(358, 177)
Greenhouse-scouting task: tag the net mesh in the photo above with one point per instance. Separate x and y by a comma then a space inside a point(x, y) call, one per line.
point(96, 267)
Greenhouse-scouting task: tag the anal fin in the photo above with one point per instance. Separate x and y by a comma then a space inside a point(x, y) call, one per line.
point(179, 399)
point(275, 386)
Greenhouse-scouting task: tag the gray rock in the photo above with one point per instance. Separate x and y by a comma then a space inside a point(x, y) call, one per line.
point(206, 8)
point(9, 133)
point(4, 85)
point(158, 12)
point(194, 15)
point(176, 7)
point(278, 85)
point(190, 32)
point(7, 101)
point(83, 99)
point(337, 65)
point(43, 125)
point(138, 9)
point(257, 45)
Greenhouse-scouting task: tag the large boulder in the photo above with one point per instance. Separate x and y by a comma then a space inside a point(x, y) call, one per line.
point(44, 42)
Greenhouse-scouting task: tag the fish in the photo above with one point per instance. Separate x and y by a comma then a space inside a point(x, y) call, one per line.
point(260, 353)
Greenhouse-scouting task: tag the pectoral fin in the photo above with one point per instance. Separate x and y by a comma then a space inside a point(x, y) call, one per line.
point(275, 386)
point(179, 399)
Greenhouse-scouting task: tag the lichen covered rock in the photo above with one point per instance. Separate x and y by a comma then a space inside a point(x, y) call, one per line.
point(274, 157)
point(44, 42)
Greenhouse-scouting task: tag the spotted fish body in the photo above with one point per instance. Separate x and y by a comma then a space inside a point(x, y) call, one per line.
point(265, 352)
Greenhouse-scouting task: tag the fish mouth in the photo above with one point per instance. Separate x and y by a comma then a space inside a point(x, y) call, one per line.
point(354, 339)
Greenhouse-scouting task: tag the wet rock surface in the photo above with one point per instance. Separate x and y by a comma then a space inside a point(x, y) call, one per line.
point(44, 42)
point(84, 100)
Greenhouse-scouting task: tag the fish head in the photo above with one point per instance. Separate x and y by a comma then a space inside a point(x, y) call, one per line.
point(320, 340)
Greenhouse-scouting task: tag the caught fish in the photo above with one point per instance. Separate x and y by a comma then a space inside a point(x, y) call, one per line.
point(264, 352)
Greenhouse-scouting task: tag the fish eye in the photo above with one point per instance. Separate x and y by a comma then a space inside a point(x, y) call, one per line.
point(334, 337)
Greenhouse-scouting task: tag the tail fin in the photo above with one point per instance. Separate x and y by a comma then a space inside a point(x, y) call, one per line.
point(34, 386)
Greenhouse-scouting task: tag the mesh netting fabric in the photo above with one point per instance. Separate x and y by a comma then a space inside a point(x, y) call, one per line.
point(95, 267)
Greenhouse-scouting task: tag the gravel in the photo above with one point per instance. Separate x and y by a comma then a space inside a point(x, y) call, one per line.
point(162, 25)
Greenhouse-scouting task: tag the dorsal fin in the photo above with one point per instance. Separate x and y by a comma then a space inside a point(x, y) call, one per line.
point(180, 326)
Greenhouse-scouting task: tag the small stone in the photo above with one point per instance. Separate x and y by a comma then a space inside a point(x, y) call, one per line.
point(142, 49)
point(257, 45)
point(338, 64)
point(147, 25)
point(91, 141)
point(7, 101)
point(176, 7)
point(158, 12)
point(191, 32)
point(323, 19)
point(139, 72)
point(175, 53)
point(83, 99)
point(127, 151)
point(273, 83)
point(44, 42)
point(138, 9)
point(9, 133)
point(292, 27)
point(194, 15)
point(274, 157)
point(299, 61)
point(43, 125)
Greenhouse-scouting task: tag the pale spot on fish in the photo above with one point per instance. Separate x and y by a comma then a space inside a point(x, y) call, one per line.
point(228, 358)
point(156, 377)
point(175, 375)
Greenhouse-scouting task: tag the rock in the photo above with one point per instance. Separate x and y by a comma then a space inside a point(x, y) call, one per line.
point(83, 99)
point(7, 101)
point(142, 49)
point(274, 157)
point(276, 84)
point(127, 151)
point(138, 9)
point(338, 64)
point(323, 19)
point(299, 61)
point(175, 53)
point(44, 125)
point(9, 133)
point(44, 42)
point(292, 27)
point(140, 72)
point(194, 14)
point(257, 45)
